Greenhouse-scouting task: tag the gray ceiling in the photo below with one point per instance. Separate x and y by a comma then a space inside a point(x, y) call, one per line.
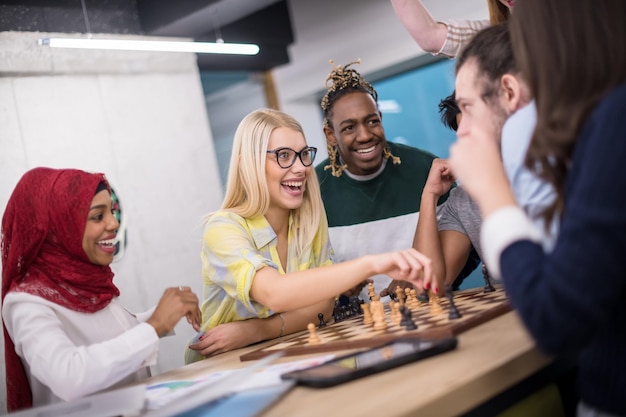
point(265, 22)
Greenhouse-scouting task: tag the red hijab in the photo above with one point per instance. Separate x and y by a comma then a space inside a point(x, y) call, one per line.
point(42, 254)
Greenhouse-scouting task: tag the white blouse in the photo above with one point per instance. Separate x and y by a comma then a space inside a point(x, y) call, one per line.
point(68, 354)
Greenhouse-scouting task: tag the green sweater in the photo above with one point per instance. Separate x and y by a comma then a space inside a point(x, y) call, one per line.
point(379, 214)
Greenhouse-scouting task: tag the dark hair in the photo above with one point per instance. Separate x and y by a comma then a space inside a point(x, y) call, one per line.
point(341, 81)
point(570, 56)
point(448, 111)
point(491, 49)
point(102, 186)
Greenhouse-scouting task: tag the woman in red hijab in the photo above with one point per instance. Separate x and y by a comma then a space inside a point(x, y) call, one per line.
point(66, 334)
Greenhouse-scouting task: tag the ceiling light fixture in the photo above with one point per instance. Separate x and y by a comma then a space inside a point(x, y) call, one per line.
point(150, 45)
point(217, 47)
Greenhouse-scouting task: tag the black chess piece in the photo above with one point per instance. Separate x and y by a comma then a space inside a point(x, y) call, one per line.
point(355, 305)
point(488, 286)
point(341, 310)
point(423, 297)
point(454, 311)
point(344, 312)
point(322, 322)
point(407, 318)
point(337, 311)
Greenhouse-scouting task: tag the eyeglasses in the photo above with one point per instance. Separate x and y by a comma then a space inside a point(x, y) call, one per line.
point(286, 157)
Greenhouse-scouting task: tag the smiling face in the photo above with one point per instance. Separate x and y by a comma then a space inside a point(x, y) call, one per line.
point(480, 114)
point(357, 131)
point(286, 185)
point(100, 230)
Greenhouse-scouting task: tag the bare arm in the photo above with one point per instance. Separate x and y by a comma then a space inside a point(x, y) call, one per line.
point(229, 336)
point(456, 247)
point(429, 34)
point(426, 238)
point(303, 288)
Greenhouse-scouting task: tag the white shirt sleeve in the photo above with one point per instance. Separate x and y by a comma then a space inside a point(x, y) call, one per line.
point(145, 315)
point(54, 342)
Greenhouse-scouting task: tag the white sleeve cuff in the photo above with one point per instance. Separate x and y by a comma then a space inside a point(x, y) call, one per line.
point(502, 228)
point(144, 316)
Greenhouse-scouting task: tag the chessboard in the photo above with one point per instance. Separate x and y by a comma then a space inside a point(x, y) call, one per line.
point(474, 305)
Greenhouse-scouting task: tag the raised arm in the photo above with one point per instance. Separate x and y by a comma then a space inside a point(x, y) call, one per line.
point(426, 238)
point(445, 38)
point(429, 34)
point(456, 248)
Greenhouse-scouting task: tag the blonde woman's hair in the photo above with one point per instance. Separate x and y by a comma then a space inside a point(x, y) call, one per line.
point(247, 193)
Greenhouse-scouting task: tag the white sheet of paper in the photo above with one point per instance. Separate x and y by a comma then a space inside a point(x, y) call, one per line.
point(262, 375)
point(120, 402)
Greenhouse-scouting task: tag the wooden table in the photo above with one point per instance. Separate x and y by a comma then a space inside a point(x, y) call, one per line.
point(489, 359)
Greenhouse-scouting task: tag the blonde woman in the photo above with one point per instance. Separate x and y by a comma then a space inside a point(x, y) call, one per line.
point(267, 262)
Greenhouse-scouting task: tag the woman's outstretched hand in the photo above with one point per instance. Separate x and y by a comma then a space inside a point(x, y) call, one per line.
point(407, 265)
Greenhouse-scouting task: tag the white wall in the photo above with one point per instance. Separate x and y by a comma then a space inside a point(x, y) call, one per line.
point(141, 119)
point(243, 98)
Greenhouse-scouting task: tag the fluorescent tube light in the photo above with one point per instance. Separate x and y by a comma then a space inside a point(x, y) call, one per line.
point(158, 46)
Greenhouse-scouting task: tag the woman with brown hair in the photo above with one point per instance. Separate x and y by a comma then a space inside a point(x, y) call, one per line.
point(573, 299)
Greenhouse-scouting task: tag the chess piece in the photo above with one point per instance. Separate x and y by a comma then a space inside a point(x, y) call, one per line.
point(367, 314)
point(435, 305)
point(454, 311)
point(377, 307)
point(355, 305)
point(320, 316)
point(370, 290)
point(423, 297)
point(415, 303)
point(314, 339)
point(337, 311)
point(395, 314)
point(400, 295)
point(407, 296)
point(407, 318)
point(488, 286)
point(380, 323)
